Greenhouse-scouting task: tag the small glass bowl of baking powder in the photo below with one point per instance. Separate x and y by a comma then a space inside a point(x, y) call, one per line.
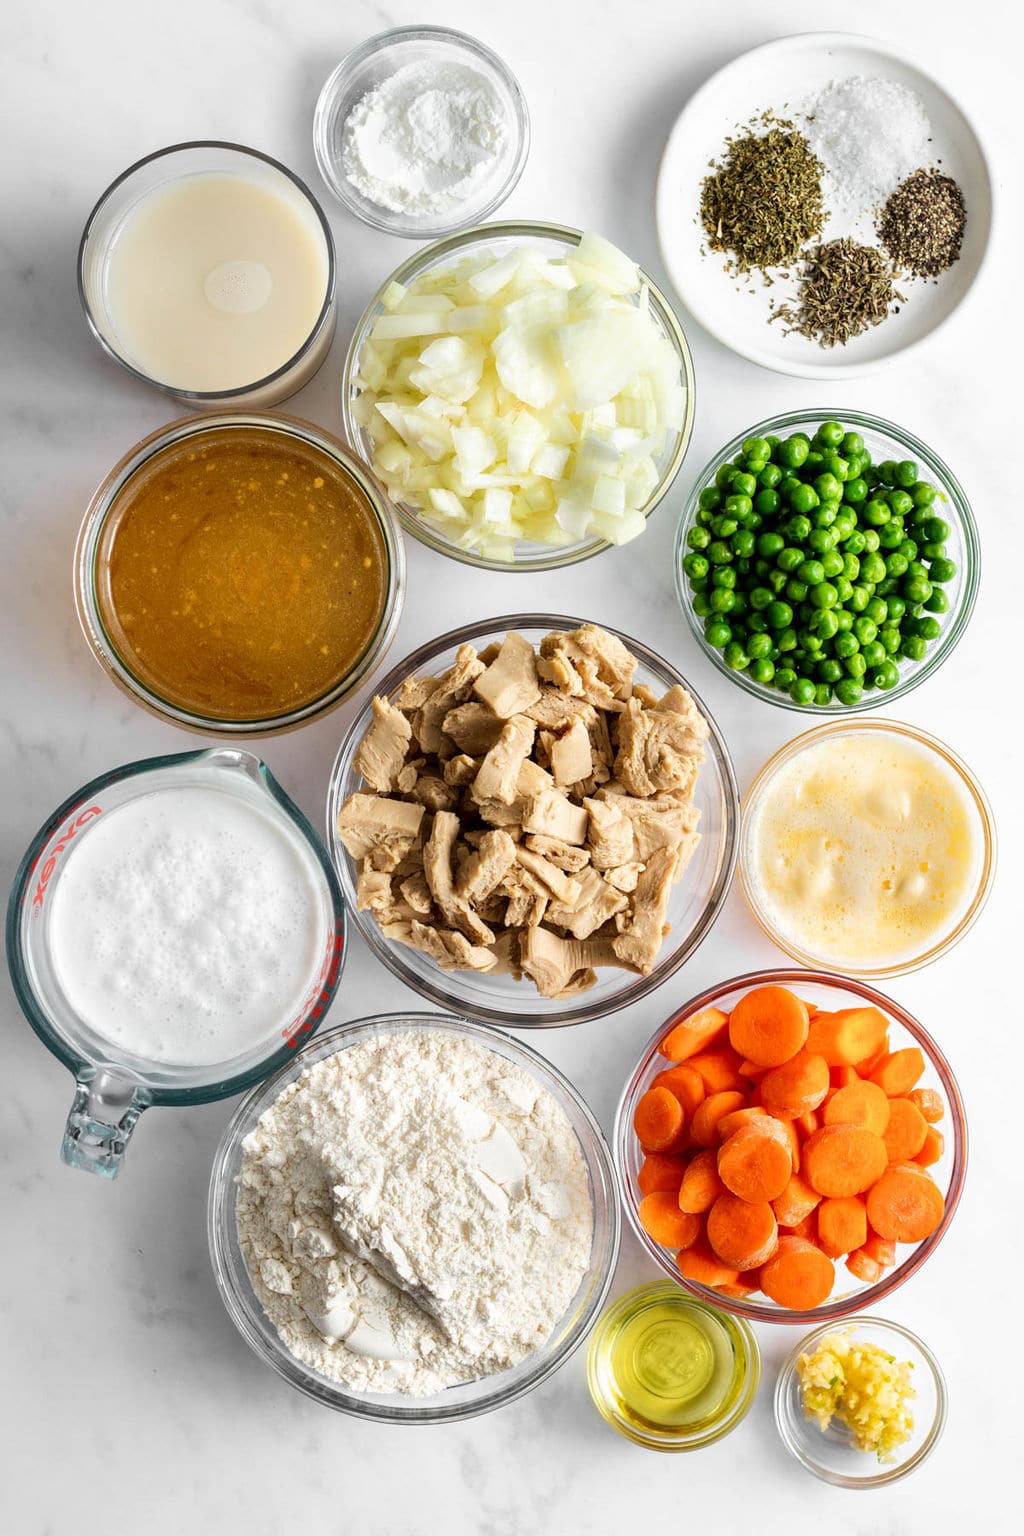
point(421, 131)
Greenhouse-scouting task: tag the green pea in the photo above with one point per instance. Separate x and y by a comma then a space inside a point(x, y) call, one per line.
point(846, 645)
point(859, 599)
point(718, 634)
point(787, 483)
point(735, 656)
point(821, 540)
point(851, 567)
point(938, 602)
point(886, 471)
point(696, 566)
point(762, 670)
point(916, 589)
point(811, 571)
point(836, 465)
point(855, 665)
point(832, 563)
point(698, 538)
point(890, 536)
point(856, 544)
point(776, 579)
point(796, 590)
point(933, 551)
point(908, 549)
point(810, 643)
point(724, 576)
point(824, 595)
point(927, 629)
point(923, 493)
point(802, 691)
point(719, 552)
point(769, 477)
point(872, 569)
point(855, 491)
point(743, 543)
point(779, 615)
point(723, 524)
point(722, 600)
point(756, 448)
point(744, 485)
point(865, 629)
point(737, 505)
point(797, 528)
point(875, 512)
point(825, 515)
point(829, 671)
point(709, 498)
point(886, 676)
point(852, 443)
point(828, 487)
point(761, 598)
point(814, 458)
point(742, 566)
point(871, 540)
point(701, 606)
point(873, 653)
point(890, 638)
point(844, 525)
point(849, 691)
point(756, 623)
point(770, 544)
point(759, 645)
point(824, 623)
point(793, 451)
point(831, 433)
point(789, 559)
point(724, 477)
point(785, 677)
point(767, 502)
point(844, 618)
point(936, 530)
point(886, 585)
point(877, 610)
point(897, 608)
point(914, 647)
point(803, 498)
point(753, 466)
point(786, 640)
point(906, 473)
point(822, 694)
point(895, 565)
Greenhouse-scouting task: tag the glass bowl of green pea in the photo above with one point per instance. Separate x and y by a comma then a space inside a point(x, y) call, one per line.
point(827, 560)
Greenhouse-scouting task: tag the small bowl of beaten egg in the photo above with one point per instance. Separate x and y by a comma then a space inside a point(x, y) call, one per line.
point(868, 847)
point(239, 574)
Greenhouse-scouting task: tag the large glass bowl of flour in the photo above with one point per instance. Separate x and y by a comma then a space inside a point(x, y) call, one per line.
point(471, 1397)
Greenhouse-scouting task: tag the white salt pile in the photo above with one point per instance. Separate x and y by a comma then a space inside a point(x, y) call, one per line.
point(869, 135)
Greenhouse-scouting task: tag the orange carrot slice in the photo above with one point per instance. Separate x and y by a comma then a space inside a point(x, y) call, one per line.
point(864, 1267)
point(845, 1038)
point(755, 1164)
point(905, 1205)
point(686, 1084)
point(880, 1249)
point(929, 1103)
point(658, 1120)
point(737, 1117)
point(842, 1226)
point(796, 1202)
point(694, 1034)
point(701, 1264)
point(906, 1132)
point(931, 1152)
point(798, 1276)
point(660, 1171)
point(719, 1069)
point(768, 1025)
point(859, 1103)
point(742, 1233)
point(898, 1072)
point(701, 1185)
point(843, 1160)
point(797, 1086)
point(661, 1217)
point(704, 1129)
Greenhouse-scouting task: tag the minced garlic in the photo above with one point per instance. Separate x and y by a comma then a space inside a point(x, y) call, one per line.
point(866, 1389)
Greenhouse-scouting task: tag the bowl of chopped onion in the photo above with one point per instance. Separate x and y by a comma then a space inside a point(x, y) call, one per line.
point(524, 392)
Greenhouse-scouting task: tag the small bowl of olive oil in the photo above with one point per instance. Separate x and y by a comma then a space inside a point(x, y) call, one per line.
point(669, 1372)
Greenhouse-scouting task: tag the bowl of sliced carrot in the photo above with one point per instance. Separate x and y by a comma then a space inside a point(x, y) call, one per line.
point(791, 1146)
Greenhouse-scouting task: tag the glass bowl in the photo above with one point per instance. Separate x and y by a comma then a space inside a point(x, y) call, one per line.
point(88, 558)
point(695, 901)
point(502, 238)
point(884, 440)
point(849, 1294)
point(979, 811)
point(720, 1420)
point(366, 68)
point(829, 1453)
point(162, 169)
point(470, 1398)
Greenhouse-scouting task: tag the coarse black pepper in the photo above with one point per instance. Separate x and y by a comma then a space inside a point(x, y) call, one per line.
point(922, 224)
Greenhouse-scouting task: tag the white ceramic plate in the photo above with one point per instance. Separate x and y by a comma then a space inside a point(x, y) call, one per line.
point(782, 76)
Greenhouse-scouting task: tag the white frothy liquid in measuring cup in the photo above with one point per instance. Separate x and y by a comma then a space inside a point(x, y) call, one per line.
point(188, 927)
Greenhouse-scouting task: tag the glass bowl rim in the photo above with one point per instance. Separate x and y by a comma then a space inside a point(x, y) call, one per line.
point(222, 1236)
point(155, 1095)
point(519, 229)
point(887, 1475)
point(829, 1311)
point(952, 633)
point(378, 44)
point(740, 1332)
point(171, 435)
point(239, 392)
point(582, 1012)
point(851, 724)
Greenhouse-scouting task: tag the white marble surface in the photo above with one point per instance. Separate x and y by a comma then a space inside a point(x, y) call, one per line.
point(129, 1399)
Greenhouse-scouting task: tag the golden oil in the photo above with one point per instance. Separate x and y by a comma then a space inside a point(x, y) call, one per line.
point(670, 1372)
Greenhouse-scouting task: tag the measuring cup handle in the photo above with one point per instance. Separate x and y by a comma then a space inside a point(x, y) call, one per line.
point(103, 1115)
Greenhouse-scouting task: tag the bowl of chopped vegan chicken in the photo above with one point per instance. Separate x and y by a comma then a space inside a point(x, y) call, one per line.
point(534, 820)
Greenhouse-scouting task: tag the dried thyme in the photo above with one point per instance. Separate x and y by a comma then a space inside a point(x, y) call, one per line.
point(764, 202)
point(844, 289)
point(922, 224)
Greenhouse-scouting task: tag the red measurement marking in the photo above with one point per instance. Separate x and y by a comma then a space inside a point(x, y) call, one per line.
point(319, 994)
point(71, 830)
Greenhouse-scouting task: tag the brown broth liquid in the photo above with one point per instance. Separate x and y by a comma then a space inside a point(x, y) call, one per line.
point(241, 575)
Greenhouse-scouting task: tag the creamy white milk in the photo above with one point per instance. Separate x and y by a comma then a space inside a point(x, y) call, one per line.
point(188, 926)
point(215, 281)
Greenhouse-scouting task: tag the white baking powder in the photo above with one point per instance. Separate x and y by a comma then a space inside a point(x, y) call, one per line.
point(414, 1212)
point(428, 138)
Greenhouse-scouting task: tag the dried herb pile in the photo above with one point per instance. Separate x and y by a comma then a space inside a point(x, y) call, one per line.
point(845, 288)
point(922, 223)
point(764, 203)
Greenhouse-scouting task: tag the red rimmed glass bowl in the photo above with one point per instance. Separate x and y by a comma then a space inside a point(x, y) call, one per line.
point(849, 1295)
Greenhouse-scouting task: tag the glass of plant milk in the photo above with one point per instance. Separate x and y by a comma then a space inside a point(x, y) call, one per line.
point(208, 269)
point(174, 933)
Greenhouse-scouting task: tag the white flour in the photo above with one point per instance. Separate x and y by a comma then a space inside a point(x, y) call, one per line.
point(414, 1212)
point(426, 139)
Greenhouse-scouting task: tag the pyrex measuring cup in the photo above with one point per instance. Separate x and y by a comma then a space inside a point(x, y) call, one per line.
point(113, 1085)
